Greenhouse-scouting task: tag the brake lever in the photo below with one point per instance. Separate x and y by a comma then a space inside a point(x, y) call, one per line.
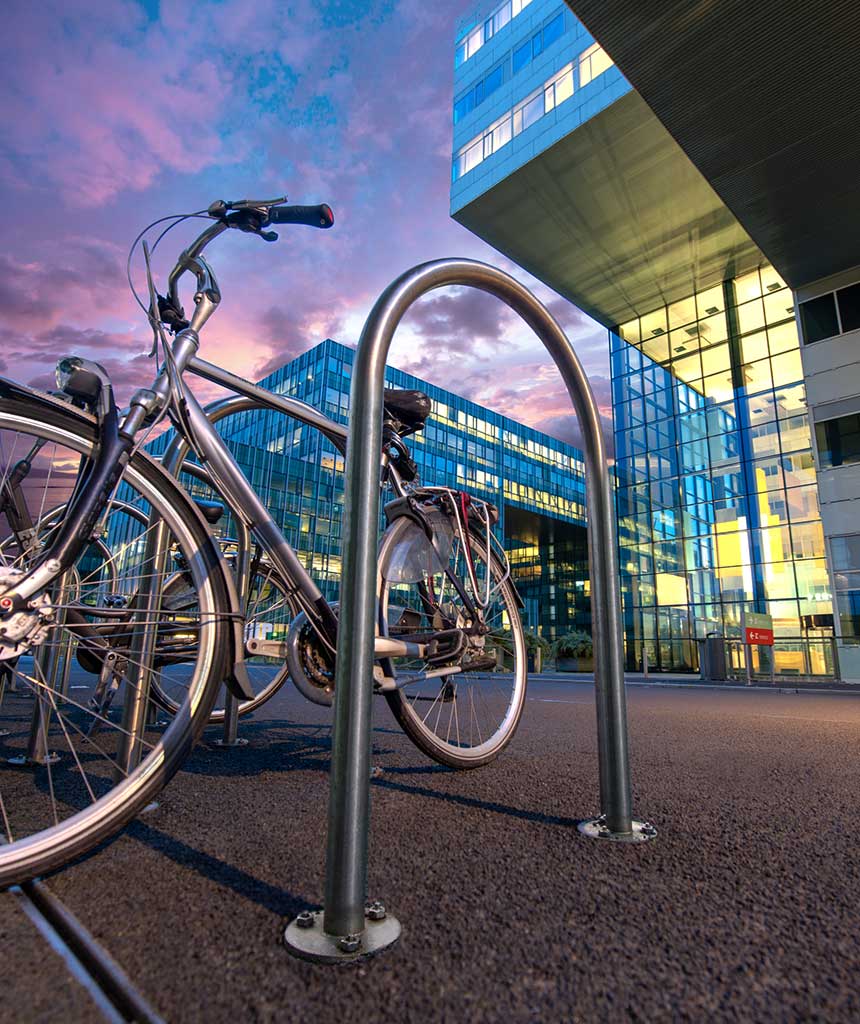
point(256, 204)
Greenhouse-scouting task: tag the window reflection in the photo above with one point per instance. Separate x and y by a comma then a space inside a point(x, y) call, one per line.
point(727, 500)
point(476, 37)
point(526, 113)
point(593, 62)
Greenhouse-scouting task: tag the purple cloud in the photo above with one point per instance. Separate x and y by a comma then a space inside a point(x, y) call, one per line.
point(121, 117)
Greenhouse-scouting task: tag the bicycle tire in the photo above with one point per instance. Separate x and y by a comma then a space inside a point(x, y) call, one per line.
point(261, 696)
point(454, 751)
point(35, 415)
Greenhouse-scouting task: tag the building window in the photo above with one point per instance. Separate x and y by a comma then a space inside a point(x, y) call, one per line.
point(476, 95)
point(553, 30)
point(829, 315)
point(476, 38)
point(845, 559)
point(474, 41)
point(593, 62)
point(493, 80)
point(818, 319)
point(848, 301)
point(838, 441)
point(522, 56)
point(500, 132)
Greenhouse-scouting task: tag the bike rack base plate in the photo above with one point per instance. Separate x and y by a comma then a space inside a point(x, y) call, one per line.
point(596, 828)
point(22, 761)
point(312, 943)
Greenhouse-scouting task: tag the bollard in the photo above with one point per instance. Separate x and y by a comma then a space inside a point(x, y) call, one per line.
point(342, 931)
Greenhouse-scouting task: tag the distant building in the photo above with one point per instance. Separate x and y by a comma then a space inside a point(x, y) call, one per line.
point(536, 481)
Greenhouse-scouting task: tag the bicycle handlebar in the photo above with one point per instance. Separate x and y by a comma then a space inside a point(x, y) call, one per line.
point(246, 215)
point(314, 216)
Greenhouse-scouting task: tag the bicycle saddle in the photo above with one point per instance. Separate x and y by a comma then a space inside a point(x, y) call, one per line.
point(411, 408)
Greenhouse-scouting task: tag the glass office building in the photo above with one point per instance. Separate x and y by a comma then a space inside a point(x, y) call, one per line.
point(560, 164)
point(536, 481)
point(526, 72)
point(717, 498)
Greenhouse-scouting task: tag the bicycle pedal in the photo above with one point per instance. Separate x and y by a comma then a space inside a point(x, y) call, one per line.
point(484, 663)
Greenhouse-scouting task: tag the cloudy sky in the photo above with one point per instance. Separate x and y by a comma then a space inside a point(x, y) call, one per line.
point(121, 111)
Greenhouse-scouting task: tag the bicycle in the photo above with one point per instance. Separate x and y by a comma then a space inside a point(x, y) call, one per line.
point(121, 570)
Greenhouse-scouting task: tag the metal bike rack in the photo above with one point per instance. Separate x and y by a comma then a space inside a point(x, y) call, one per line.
point(50, 668)
point(173, 461)
point(348, 928)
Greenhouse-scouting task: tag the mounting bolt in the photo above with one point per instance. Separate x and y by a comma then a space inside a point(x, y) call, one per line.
point(305, 919)
point(349, 943)
point(375, 910)
point(53, 565)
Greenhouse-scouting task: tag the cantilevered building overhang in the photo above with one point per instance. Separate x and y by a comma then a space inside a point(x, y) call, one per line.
point(596, 198)
point(762, 97)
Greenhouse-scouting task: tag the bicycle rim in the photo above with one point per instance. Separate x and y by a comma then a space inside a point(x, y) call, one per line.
point(462, 719)
point(73, 793)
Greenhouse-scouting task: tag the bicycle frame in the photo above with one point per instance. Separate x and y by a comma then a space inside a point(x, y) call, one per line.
point(225, 473)
point(118, 437)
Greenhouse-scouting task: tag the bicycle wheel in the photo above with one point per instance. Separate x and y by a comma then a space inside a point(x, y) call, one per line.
point(464, 717)
point(63, 787)
point(269, 610)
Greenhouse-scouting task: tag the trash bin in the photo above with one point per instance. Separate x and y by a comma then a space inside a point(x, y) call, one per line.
point(712, 659)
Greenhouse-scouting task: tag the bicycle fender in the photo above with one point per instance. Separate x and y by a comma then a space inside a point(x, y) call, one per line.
point(238, 682)
point(406, 508)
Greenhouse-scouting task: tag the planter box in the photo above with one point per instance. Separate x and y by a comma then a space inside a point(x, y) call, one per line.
point(575, 665)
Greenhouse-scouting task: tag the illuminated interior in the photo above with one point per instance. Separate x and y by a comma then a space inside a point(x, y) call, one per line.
point(717, 499)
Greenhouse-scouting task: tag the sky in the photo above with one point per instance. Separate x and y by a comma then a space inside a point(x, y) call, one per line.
point(118, 112)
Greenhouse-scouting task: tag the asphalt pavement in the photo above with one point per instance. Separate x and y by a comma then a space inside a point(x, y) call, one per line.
point(745, 907)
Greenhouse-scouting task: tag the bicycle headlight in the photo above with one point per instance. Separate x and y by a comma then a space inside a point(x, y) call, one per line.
point(65, 368)
point(82, 379)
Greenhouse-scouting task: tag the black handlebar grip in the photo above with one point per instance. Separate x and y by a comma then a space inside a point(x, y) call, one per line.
point(314, 216)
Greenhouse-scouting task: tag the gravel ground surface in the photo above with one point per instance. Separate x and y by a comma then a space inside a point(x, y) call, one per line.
point(744, 908)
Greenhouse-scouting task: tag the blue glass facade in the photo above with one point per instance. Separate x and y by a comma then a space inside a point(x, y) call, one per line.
point(537, 482)
point(717, 497)
point(717, 500)
point(526, 74)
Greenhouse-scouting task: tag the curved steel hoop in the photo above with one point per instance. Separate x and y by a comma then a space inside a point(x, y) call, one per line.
point(346, 868)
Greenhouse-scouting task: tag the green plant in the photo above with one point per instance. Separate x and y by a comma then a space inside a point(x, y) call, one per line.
point(574, 645)
point(536, 643)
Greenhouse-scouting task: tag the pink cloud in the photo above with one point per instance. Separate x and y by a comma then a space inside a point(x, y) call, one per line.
point(120, 119)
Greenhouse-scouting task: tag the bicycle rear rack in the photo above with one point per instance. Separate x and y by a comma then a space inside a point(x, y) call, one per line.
point(348, 928)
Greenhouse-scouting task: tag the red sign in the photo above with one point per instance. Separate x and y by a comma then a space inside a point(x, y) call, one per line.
point(759, 636)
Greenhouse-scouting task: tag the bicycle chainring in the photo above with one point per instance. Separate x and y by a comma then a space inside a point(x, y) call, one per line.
point(310, 662)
